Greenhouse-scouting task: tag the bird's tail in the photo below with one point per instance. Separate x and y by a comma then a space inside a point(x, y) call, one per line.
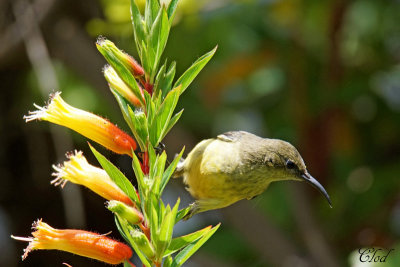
point(179, 168)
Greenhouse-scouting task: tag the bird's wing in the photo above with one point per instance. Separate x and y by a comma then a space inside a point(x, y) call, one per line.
point(232, 136)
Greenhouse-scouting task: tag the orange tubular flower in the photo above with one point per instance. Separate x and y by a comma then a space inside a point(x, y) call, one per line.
point(77, 170)
point(78, 242)
point(89, 125)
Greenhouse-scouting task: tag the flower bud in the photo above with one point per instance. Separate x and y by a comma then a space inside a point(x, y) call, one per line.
point(78, 242)
point(129, 213)
point(78, 171)
point(143, 243)
point(107, 47)
point(87, 124)
point(117, 84)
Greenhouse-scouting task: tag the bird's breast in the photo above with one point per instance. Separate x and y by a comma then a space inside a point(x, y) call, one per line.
point(215, 169)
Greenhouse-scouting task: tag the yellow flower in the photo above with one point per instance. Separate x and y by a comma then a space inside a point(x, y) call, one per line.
point(78, 242)
point(89, 125)
point(78, 171)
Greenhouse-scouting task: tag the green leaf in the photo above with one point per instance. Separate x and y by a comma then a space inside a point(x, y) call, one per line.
point(123, 105)
point(117, 176)
point(158, 39)
point(161, 240)
point(151, 11)
point(170, 170)
point(145, 59)
point(188, 76)
point(180, 242)
point(167, 262)
point(150, 109)
point(164, 115)
point(140, 127)
point(159, 78)
point(123, 227)
point(138, 28)
point(152, 213)
point(120, 228)
point(171, 123)
point(190, 249)
point(139, 177)
point(171, 10)
point(158, 173)
point(152, 160)
point(169, 78)
point(166, 230)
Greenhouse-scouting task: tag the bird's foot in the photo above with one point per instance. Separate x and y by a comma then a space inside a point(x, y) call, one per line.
point(194, 208)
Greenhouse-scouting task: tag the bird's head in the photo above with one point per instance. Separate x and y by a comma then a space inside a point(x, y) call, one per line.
point(287, 164)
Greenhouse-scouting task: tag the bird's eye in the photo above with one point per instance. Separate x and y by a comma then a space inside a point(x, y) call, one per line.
point(290, 164)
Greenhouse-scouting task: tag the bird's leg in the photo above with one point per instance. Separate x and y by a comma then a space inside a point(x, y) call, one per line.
point(204, 205)
point(194, 208)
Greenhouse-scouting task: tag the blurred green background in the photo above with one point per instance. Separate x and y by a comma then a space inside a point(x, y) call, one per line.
point(323, 75)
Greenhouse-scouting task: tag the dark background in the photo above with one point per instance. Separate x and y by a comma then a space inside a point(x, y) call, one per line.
point(323, 75)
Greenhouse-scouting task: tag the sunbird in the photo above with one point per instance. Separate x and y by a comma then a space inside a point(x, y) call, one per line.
point(239, 165)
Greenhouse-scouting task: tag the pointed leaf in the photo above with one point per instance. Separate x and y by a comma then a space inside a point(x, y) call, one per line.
point(125, 229)
point(145, 58)
point(160, 78)
point(157, 173)
point(167, 262)
point(170, 170)
point(152, 213)
point(190, 249)
point(188, 76)
point(152, 6)
point(180, 242)
point(165, 112)
point(169, 78)
point(171, 123)
point(123, 105)
point(152, 160)
point(117, 176)
point(140, 128)
point(166, 230)
point(120, 228)
point(139, 176)
point(158, 39)
point(138, 28)
point(171, 10)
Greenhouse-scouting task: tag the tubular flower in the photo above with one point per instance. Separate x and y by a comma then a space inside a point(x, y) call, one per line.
point(89, 125)
point(78, 171)
point(78, 242)
point(115, 82)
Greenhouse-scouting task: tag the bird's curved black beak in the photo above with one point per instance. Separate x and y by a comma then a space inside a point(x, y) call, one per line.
point(311, 180)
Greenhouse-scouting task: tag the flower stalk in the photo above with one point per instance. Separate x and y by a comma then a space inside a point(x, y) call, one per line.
point(147, 94)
